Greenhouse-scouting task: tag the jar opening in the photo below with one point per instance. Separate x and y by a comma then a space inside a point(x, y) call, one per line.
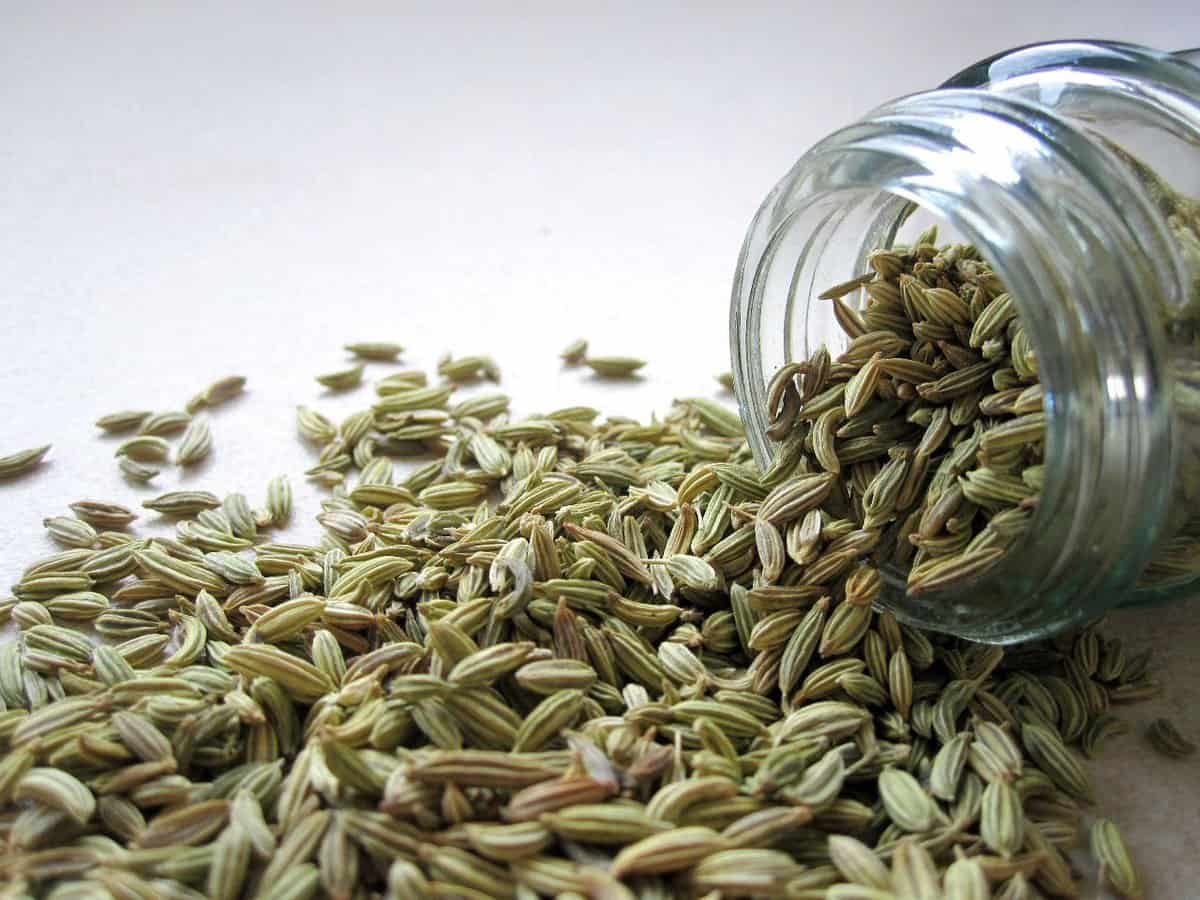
point(1029, 193)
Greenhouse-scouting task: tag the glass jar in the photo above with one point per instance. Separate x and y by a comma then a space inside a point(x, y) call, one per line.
point(1072, 167)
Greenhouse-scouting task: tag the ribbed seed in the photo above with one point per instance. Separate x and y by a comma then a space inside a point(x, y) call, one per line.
point(279, 499)
point(505, 843)
point(343, 379)
point(948, 766)
point(182, 503)
point(136, 471)
point(301, 679)
point(1116, 865)
point(1167, 740)
point(142, 736)
point(1002, 818)
point(845, 629)
point(913, 871)
point(858, 863)
point(1053, 757)
point(966, 879)
point(603, 823)
point(668, 851)
point(124, 420)
point(746, 872)
point(196, 443)
point(906, 801)
point(231, 861)
point(382, 351)
point(145, 448)
point(58, 790)
point(218, 392)
point(70, 532)
point(103, 515)
point(547, 719)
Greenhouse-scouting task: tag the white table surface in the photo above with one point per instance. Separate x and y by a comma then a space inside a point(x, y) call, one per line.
point(191, 190)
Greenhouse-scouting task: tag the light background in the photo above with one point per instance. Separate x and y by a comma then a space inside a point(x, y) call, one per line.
point(189, 190)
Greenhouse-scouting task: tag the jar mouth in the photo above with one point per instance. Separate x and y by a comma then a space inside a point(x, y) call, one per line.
point(1060, 224)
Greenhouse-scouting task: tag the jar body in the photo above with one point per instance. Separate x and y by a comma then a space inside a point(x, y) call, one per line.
point(1075, 169)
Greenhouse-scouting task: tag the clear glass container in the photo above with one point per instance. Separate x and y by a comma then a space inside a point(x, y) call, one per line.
point(1072, 167)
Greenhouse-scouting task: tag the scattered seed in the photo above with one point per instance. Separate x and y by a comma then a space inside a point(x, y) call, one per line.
point(381, 351)
point(614, 366)
point(195, 444)
point(1166, 739)
point(125, 420)
point(182, 503)
point(165, 423)
point(21, 461)
point(136, 471)
point(1116, 865)
point(103, 515)
point(575, 352)
point(145, 448)
point(572, 655)
point(342, 380)
point(217, 393)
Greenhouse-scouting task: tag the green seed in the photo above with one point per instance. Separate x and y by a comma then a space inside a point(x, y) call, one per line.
point(195, 444)
point(21, 461)
point(58, 790)
point(103, 515)
point(906, 801)
point(182, 503)
point(376, 350)
point(71, 532)
point(218, 392)
point(145, 448)
point(669, 851)
point(614, 366)
point(165, 423)
point(124, 420)
point(468, 368)
point(342, 380)
point(1116, 865)
point(136, 471)
point(1166, 739)
point(313, 426)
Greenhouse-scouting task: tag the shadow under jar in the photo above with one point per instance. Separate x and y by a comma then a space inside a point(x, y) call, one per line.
point(1074, 168)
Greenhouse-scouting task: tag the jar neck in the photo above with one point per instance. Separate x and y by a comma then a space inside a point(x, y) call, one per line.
point(1088, 260)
